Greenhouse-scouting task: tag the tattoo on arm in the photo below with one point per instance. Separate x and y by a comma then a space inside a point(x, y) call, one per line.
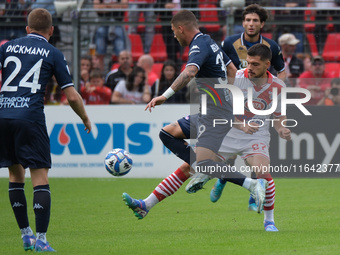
point(183, 79)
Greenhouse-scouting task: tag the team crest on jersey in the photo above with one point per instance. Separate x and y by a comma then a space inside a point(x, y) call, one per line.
point(258, 104)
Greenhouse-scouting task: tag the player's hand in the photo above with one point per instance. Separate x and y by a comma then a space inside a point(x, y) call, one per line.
point(88, 126)
point(250, 129)
point(284, 133)
point(155, 101)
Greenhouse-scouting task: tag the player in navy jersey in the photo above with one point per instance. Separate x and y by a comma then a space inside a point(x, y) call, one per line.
point(27, 64)
point(206, 63)
point(235, 46)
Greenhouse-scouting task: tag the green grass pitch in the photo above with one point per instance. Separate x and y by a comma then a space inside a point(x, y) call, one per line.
point(89, 217)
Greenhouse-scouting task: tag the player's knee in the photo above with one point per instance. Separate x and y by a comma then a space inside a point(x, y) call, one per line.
point(165, 137)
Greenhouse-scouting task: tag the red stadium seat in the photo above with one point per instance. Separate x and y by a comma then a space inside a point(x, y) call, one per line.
point(309, 27)
point(207, 15)
point(157, 68)
point(185, 54)
point(312, 44)
point(333, 68)
point(158, 48)
point(136, 46)
point(331, 51)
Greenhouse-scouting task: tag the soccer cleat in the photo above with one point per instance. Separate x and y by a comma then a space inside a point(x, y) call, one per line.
point(269, 226)
point(40, 246)
point(252, 205)
point(137, 206)
point(216, 191)
point(29, 242)
point(259, 193)
point(197, 182)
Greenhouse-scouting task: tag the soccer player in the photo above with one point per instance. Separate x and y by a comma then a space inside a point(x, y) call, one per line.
point(235, 46)
point(207, 63)
point(27, 64)
point(249, 141)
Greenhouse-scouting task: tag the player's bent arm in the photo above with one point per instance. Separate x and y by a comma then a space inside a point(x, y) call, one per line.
point(231, 71)
point(184, 78)
point(282, 75)
point(76, 103)
point(283, 132)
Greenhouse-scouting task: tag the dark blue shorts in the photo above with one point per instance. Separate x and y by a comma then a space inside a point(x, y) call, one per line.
point(201, 127)
point(25, 143)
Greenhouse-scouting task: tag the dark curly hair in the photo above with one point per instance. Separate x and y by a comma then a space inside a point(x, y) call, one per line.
point(255, 8)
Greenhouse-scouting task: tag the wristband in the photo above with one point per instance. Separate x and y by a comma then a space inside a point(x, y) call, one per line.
point(168, 93)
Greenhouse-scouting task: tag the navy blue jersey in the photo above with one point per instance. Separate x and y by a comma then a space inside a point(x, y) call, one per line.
point(236, 48)
point(212, 63)
point(208, 57)
point(27, 64)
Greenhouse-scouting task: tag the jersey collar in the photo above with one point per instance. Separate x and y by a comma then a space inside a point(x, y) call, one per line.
point(35, 35)
point(242, 39)
point(195, 37)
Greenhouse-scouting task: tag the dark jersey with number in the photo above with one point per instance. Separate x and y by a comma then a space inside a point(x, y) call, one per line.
point(27, 64)
point(212, 63)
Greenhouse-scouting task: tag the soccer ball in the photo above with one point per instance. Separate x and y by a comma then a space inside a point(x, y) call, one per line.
point(118, 162)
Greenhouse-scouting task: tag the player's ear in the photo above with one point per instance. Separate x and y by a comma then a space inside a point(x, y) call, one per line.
point(50, 33)
point(268, 64)
point(28, 30)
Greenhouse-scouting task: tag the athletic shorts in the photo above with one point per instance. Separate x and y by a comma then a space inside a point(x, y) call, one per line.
point(201, 127)
point(23, 142)
point(244, 147)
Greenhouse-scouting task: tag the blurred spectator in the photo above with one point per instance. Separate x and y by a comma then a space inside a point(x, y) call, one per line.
point(293, 65)
point(168, 76)
point(85, 70)
point(324, 16)
point(95, 92)
point(113, 33)
point(173, 48)
point(316, 81)
point(307, 62)
point(120, 73)
point(146, 62)
point(49, 5)
point(149, 18)
point(290, 15)
point(332, 94)
point(96, 62)
point(133, 90)
point(53, 93)
point(12, 12)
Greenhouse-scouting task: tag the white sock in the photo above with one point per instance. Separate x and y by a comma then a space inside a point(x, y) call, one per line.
point(151, 201)
point(249, 184)
point(269, 215)
point(26, 231)
point(41, 237)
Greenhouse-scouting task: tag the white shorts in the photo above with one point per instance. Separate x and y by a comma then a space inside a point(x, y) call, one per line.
point(243, 147)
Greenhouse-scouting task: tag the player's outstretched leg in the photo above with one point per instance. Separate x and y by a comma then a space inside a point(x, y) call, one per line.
point(29, 242)
point(40, 246)
point(259, 191)
point(252, 204)
point(197, 182)
point(216, 190)
point(137, 206)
